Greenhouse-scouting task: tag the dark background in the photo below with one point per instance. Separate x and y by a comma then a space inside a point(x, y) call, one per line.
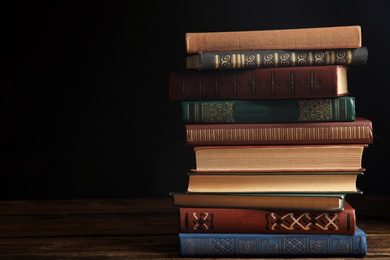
point(84, 95)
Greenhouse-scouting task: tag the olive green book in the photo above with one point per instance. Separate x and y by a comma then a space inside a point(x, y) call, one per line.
point(270, 111)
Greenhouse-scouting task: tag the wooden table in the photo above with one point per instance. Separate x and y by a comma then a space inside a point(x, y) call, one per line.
point(132, 228)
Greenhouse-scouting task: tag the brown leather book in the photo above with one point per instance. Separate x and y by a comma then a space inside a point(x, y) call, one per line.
point(282, 83)
point(267, 221)
point(298, 39)
point(356, 132)
point(286, 201)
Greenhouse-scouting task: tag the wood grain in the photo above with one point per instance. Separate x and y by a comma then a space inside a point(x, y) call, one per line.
point(132, 228)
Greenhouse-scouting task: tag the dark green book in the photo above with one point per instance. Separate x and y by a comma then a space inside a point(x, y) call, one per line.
point(231, 60)
point(269, 111)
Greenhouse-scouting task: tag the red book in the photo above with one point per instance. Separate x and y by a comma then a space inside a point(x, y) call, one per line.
point(357, 132)
point(258, 221)
point(293, 83)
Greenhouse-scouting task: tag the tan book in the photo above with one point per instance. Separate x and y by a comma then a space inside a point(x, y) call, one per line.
point(288, 39)
point(281, 182)
point(279, 158)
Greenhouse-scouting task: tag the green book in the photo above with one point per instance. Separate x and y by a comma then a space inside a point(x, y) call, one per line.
point(269, 111)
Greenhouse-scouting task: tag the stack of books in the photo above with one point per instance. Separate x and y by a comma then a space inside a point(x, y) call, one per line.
point(277, 143)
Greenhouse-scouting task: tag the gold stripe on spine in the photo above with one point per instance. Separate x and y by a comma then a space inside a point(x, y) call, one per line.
point(293, 59)
point(216, 61)
point(238, 60)
point(310, 58)
point(311, 82)
point(292, 74)
point(243, 60)
point(327, 57)
point(349, 54)
point(189, 136)
point(258, 60)
point(276, 59)
point(234, 60)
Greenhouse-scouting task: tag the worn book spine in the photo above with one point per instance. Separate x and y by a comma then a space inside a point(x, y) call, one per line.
point(297, 82)
point(269, 111)
point(359, 131)
point(267, 221)
point(287, 39)
point(272, 245)
point(278, 58)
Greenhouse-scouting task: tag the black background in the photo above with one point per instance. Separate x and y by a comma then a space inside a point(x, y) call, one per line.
point(84, 103)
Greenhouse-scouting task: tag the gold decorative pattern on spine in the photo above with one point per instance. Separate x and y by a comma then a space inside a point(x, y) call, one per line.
point(217, 112)
point(278, 134)
point(314, 109)
point(216, 61)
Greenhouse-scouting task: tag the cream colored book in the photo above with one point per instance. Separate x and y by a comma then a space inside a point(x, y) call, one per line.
point(279, 158)
point(286, 182)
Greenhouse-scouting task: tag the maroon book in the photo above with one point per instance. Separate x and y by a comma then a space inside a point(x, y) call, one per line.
point(357, 132)
point(258, 221)
point(282, 83)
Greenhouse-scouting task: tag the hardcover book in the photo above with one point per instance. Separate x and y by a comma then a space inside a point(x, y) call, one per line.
point(286, 201)
point(357, 132)
point(275, 59)
point(280, 83)
point(266, 221)
point(269, 111)
point(276, 245)
point(280, 182)
point(287, 39)
point(279, 158)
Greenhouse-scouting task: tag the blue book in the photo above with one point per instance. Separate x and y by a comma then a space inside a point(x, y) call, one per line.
point(273, 245)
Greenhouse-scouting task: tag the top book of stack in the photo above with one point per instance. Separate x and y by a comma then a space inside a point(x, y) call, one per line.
point(276, 48)
point(288, 39)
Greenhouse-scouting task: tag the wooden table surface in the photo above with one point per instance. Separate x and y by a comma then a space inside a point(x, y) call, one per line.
point(133, 228)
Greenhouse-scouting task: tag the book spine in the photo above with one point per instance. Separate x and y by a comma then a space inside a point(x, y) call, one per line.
point(281, 58)
point(259, 245)
point(357, 132)
point(279, 83)
point(269, 111)
point(256, 221)
point(298, 39)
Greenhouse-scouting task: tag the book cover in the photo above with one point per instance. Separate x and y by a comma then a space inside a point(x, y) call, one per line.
point(273, 182)
point(266, 221)
point(285, 201)
point(288, 39)
point(269, 111)
point(276, 245)
point(359, 131)
point(279, 83)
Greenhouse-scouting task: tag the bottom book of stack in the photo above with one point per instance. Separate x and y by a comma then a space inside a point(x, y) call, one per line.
point(258, 245)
